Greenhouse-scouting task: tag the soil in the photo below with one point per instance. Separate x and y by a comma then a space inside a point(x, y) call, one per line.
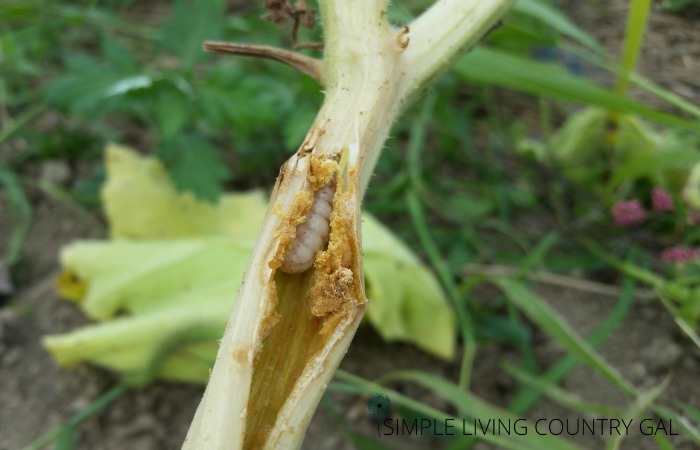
point(36, 395)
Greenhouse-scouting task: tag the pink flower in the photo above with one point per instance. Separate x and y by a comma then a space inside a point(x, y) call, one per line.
point(661, 200)
point(628, 213)
point(680, 254)
point(694, 217)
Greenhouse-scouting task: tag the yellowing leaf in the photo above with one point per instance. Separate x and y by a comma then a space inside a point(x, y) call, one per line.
point(140, 276)
point(406, 301)
point(174, 282)
point(141, 202)
point(153, 344)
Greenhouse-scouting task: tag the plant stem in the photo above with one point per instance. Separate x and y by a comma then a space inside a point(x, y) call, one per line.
point(277, 356)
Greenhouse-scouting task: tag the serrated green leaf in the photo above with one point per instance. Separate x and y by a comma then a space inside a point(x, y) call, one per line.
point(126, 85)
point(89, 87)
point(195, 165)
point(224, 100)
point(172, 110)
point(192, 23)
point(119, 56)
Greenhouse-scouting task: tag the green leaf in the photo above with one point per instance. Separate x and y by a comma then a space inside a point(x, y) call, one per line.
point(491, 327)
point(692, 412)
point(526, 398)
point(225, 99)
point(467, 208)
point(90, 87)
point(296, 126)
point(492, 67)
point(83, 87)
point(119, 56)
point(195, 165)
point(634, 35)
point(192, 23)
point(651, 163)
point(172, 111)
point(557, 21)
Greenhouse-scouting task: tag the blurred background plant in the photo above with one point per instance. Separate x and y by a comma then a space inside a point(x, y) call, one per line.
point(602, 186)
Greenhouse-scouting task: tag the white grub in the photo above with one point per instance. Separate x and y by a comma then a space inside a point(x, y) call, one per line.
point(312, 234)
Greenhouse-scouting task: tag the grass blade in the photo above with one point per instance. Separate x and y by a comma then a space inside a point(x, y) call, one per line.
point(492, 67)
point(23, 212)
point(94, 408)
point(559, 395)
point(551, 323)
point(473, 406)
point(527, 398)
point(634, 35)
point(557, 21)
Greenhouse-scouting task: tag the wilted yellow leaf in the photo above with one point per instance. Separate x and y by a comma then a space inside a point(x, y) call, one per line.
point(141, 202)
point(177, 275)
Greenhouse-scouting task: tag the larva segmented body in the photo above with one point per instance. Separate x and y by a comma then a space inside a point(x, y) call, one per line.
point(312, 234)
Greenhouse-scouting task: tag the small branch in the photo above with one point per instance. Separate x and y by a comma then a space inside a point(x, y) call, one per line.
point(310, 45)
point(443, 32)
point(305, 64)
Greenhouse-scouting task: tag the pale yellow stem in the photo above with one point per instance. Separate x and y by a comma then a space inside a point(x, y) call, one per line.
point(288, 333)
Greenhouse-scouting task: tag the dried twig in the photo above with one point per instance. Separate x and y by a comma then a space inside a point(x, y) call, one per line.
point(305, 64)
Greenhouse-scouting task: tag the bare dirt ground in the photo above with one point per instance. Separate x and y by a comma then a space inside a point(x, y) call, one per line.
point(35, 395)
